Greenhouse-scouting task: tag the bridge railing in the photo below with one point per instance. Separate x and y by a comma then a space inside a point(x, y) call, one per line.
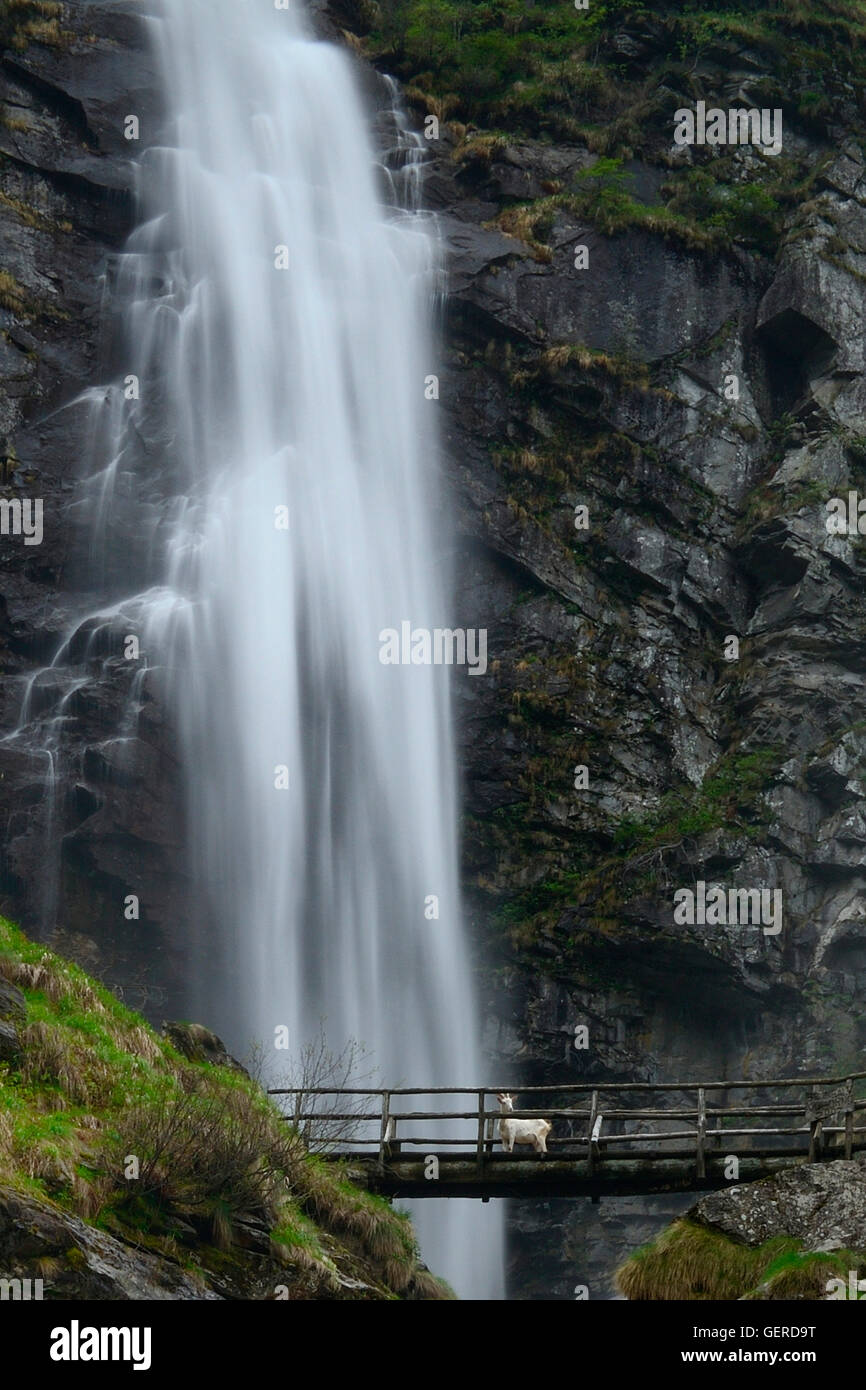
point(825, 1115)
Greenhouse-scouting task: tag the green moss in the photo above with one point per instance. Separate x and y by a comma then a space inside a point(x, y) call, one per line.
point(601, 877)
point(497, 58)
point(730, 795)
point(601, 196)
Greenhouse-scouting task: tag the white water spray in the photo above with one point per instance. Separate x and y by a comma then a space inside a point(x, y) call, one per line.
point(278, 324)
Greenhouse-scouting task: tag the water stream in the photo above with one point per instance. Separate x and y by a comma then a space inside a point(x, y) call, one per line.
point(269, 456)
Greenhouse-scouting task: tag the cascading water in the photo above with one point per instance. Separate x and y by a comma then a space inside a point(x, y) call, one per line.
point(276, 485)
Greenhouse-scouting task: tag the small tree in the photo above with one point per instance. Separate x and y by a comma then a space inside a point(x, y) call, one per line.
point(317, 1066)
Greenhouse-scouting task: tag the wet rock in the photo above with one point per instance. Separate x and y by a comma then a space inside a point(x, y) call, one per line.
point(199, 1044)
point(85, 1263)
point(13, 1005)
point(10, 1043)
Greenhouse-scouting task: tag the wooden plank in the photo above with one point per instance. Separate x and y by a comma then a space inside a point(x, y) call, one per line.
point(849, 1120)
point(564, 1088)
point(491, 1134)
point(334, 1115)
point(701, 1162)
point(825, 1103)
point(384, 1130)
point(593, 1111)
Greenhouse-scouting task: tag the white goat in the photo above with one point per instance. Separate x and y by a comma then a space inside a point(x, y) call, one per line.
point(513, 1132)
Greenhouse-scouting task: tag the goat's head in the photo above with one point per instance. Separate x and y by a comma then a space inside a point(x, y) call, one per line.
point(505, 1100)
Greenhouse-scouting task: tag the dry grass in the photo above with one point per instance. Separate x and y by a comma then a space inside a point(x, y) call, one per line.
point(33, 21)
point(31, 216)
point(476, 148)
point(13, 296)
point(690, 1261)
point(522, 222)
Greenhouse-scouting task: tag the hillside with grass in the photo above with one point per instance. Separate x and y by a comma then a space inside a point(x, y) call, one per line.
point(797, 1235)
point(131, 1168)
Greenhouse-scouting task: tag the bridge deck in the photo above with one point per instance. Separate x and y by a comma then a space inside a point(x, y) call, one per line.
point(625, 1139)
point(527, 1176)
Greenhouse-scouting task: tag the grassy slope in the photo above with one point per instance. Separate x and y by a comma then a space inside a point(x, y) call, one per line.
point(95, 1085)
point(689, 1261)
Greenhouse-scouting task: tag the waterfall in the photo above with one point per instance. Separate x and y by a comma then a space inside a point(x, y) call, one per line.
point(270, 461)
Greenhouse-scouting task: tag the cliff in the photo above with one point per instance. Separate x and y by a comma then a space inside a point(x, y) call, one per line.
point(698, 389)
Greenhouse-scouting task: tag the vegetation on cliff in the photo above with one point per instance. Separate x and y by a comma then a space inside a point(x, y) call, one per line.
point(23, 22)
point(611, 76)
point(104, 1120)
point(552, 68)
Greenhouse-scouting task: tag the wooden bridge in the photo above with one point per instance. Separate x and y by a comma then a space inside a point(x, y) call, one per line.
point(613, 1139)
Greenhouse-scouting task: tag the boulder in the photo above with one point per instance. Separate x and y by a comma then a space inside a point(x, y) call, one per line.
point(199, 1044)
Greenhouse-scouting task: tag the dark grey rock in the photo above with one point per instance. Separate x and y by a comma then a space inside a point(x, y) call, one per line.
point(86, 1263)
point(821, 1204)
point(13, 1005)
point(199, 1044)
point(10, 1043)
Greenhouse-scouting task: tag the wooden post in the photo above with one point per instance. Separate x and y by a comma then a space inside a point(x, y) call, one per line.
point(491, 1137)
point(479, 1152)
point(593, 1111)
point(849, 1119)
point(701, 1165)
point(384, 1129)
point(299, 1105)
point(594, 1137)
point(815, 1140)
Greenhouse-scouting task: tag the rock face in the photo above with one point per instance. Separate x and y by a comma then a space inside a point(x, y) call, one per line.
point(199, 1044)
point(823, 1205)
point(12, 1014)
point(608, 649)
point(86, 1263)
point(703, 405)
point(113, 819)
